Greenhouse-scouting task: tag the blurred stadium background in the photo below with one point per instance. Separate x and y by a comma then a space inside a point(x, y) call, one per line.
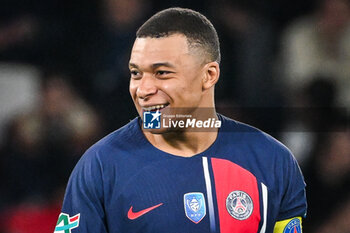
point(64, 84)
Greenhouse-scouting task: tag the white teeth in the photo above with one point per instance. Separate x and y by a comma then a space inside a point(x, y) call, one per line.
point(155, 107)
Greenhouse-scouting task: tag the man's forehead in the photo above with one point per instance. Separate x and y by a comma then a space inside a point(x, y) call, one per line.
point(172, 49)
point(174, 44)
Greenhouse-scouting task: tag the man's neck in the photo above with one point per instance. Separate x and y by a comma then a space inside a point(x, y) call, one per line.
point(185, 144)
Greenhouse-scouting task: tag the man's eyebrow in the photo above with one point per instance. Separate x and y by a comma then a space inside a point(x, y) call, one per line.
point(154, 66)
point(166, 64)
point(133, 65)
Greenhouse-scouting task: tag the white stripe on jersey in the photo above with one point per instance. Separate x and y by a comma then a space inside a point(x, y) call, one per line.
point(209, 194)
point(265, 200)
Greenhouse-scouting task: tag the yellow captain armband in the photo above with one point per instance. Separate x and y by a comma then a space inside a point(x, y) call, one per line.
point(292, 225)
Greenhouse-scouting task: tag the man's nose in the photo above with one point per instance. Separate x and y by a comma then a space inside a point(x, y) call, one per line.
point(147, 86)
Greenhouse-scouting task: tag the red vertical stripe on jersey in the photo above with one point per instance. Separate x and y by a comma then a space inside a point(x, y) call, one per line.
point(230, 177)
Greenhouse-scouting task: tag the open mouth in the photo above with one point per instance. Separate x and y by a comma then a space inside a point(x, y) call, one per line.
point(154, 108)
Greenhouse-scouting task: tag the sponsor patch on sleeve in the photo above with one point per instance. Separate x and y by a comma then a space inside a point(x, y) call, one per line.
point(292, 225)
point(65, 223)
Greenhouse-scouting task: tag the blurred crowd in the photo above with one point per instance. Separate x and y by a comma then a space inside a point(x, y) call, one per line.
point(64, 84)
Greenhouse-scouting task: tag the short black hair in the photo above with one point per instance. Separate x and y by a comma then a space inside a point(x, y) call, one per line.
point(199, 31)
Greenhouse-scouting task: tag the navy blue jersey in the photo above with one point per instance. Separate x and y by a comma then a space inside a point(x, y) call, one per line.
point(244, 182)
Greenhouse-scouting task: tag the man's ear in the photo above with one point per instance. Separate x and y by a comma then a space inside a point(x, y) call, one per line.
point(211, 75)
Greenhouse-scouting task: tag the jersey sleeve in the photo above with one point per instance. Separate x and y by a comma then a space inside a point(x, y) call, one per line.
point(293, 203)
point(82, 209)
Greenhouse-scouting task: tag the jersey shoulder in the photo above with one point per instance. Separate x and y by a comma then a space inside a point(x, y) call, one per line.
point(114, 144)
point(251, 137)
point(123, 136)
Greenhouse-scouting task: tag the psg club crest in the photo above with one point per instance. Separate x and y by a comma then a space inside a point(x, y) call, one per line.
point(239, 205)
point(151, 120)
point(293, 226)
point(195, 206)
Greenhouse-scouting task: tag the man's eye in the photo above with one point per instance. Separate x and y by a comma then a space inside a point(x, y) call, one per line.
point(134, 73)
point(163, 72)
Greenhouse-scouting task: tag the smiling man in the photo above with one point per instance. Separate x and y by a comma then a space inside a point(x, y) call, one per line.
point(149, 178)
